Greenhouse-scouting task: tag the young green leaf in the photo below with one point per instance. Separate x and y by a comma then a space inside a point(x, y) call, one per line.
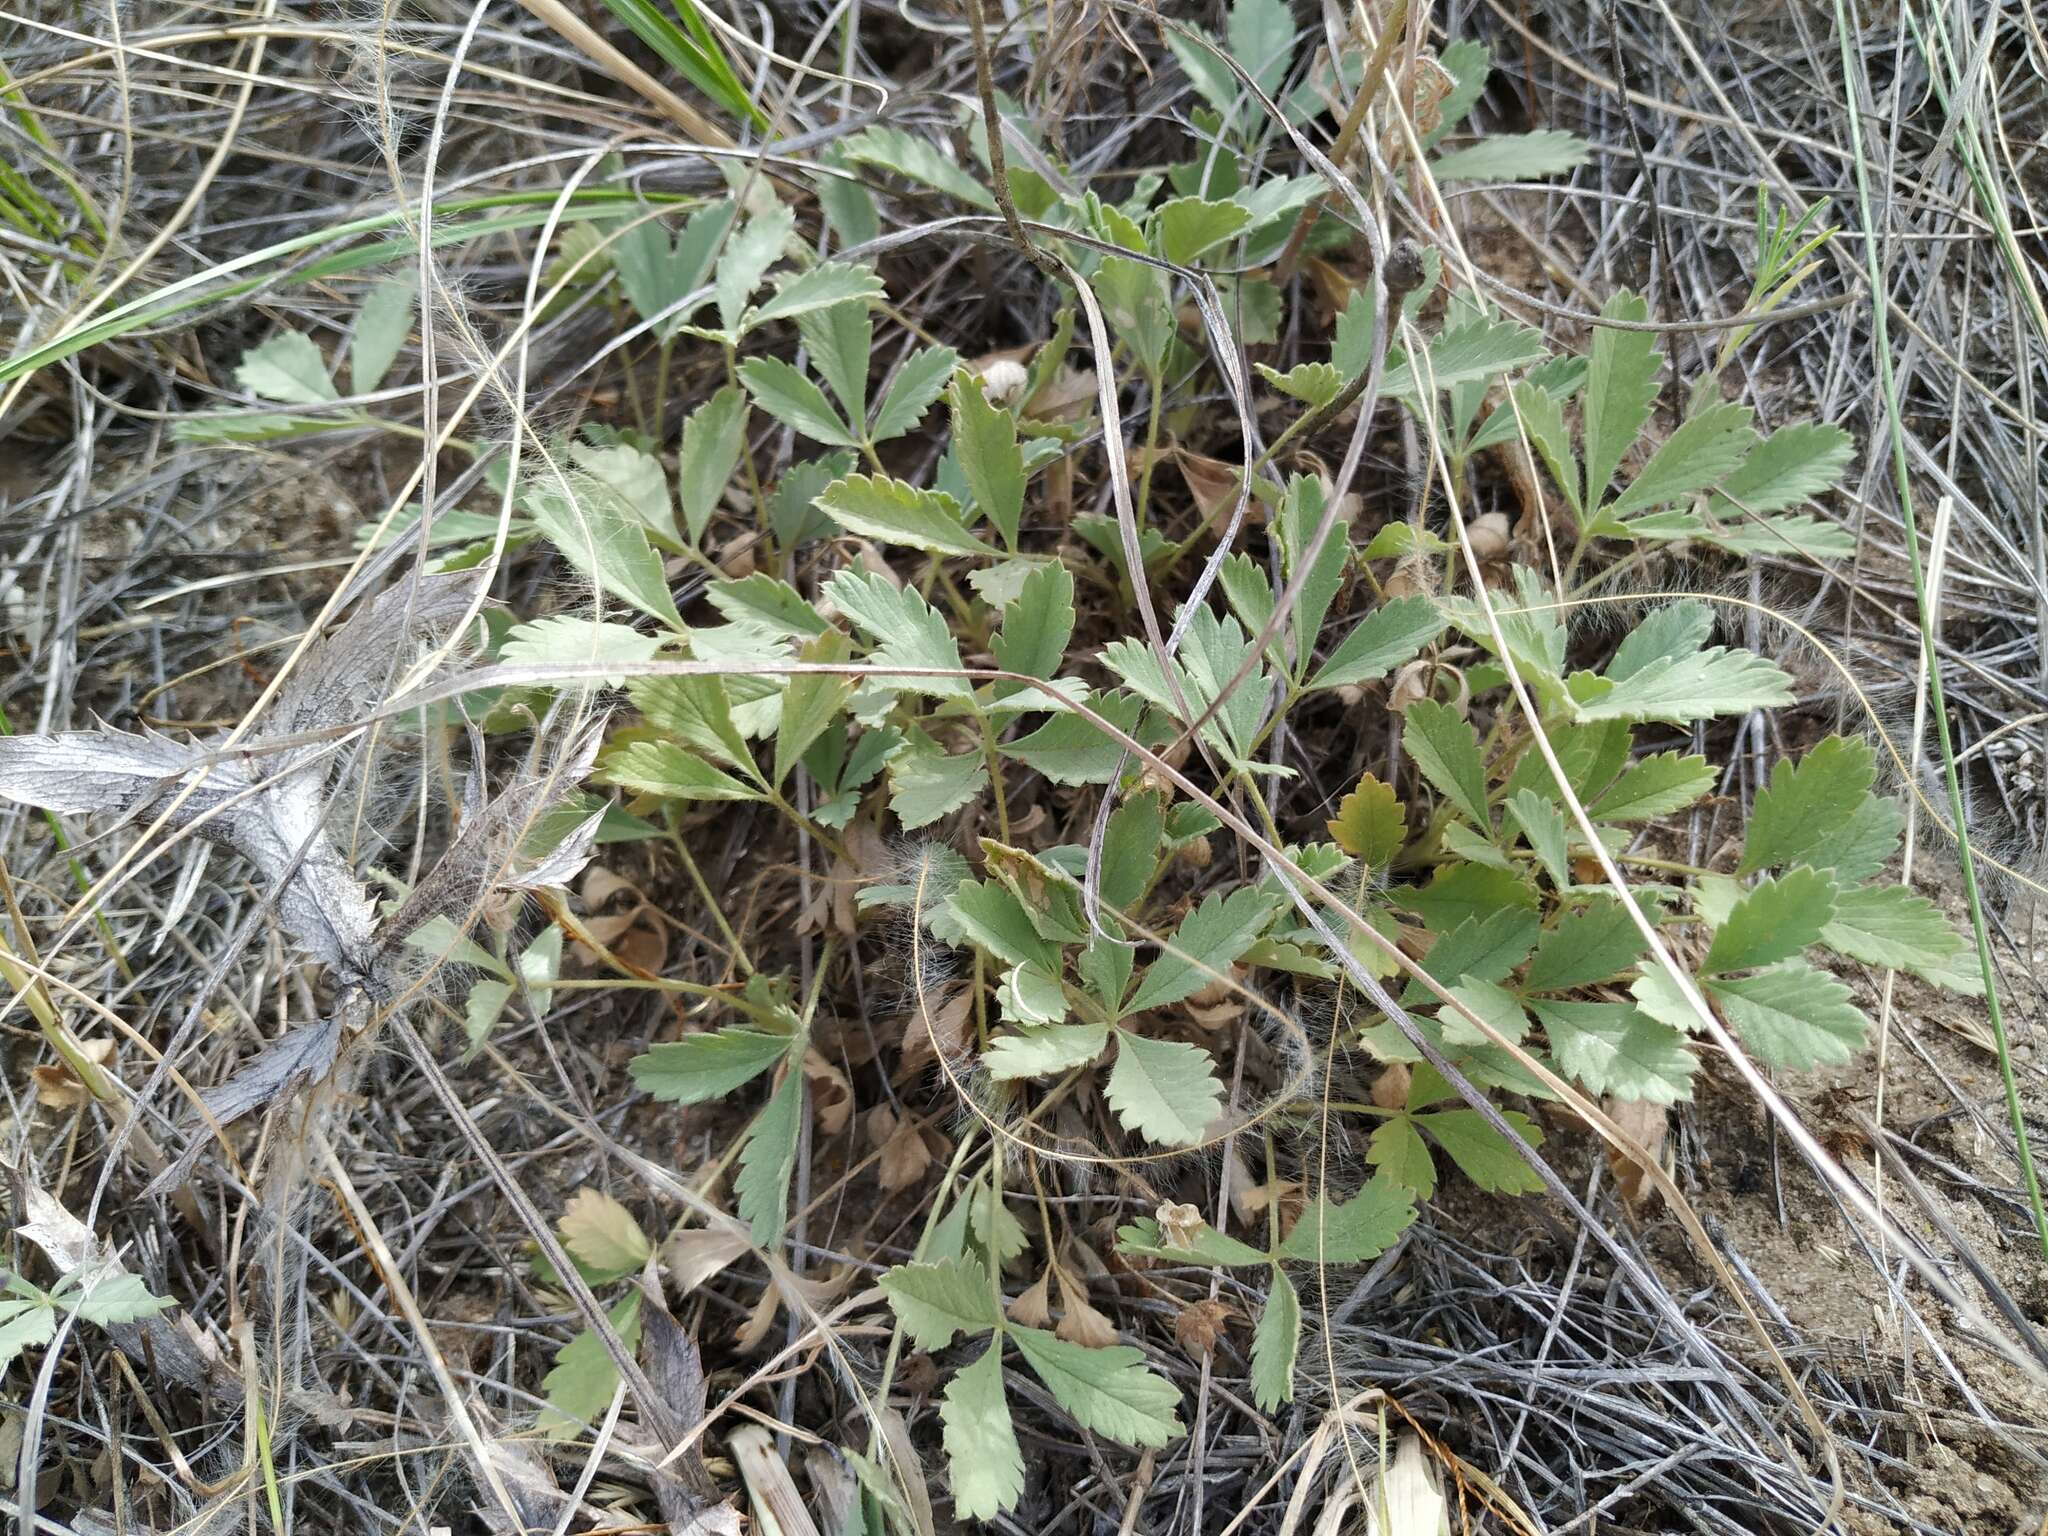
point(700, 1067)
point(983, 1459)
point(1808, 805)
point(564, 640)
point(1793, 1016)
point(840, 340)
point(287, 368)
point(1774, 920)
point(603, 1236)
point(1275, 1343)
point(1621, 381)
point(792, 399)
point(985, 444)
point(1370, 824)
point(1446, 749)
point(382, 325)
point(1543, 826)
point(1204, 947)
point(1165, 1090)
point(1401, 1156)
point(937, 1302)
point(109, 1296)
point(911, 393)
point(768, 1160)
point(1190, 227)
point(876, 507)
point(658, 274)
point(1542, 417)
point(713, 438)
point(25, 1323)
point(1107, 1390)
point(1613, 1049)
point(1666, 633)
point(1354, 1230)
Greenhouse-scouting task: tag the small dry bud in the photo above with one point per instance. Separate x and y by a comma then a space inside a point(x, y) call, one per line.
point(1488, 535)
point(1003, 381)
point(1178, 1226)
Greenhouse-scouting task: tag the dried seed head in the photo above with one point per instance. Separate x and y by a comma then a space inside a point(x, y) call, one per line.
point(1488, 535)
point(1004, 380)
point(1404, 271)
point(1178, 1225)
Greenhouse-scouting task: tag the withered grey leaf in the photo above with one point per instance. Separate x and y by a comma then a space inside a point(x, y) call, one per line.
point(345, 675)
point(564, 862)
point(302, 1055)
point(77, 773)
point(676, 1370)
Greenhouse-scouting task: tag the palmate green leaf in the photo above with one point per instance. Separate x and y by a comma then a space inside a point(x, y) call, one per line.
point(1621, 381)
point(1165, 1090)
point(579, 1389)
point(1446, 749)
point(763, 603)
point(828, 284)
point(1889, 925)
point(983, 1460)
point(914, 158)
point(1496, 1007)
point(1654, 786)
point(1036, 626)
point(1591, 943)
point(877, 507)
point(920, 381)
point(1351, 1231)
point(769, 1158)
point(991, 917)
point(936, 1303)
point(1460, 892)
point(700, 1067)
point(288, 368)
point(907, 630)
point(1613, 1048)
point(1702, 452)
point(839, 341)
point(382, 325)
point(995, 1226)
point(1680, 690)
point(1130, 849)
point(1190, 227)
point(1513, 157)
point(1106, 1390)
point(1204, 947)
point(1658, 996)
point(1275, 1344)
point(1808, 806)
point(1370, 824)
point(985, 445)
point(1792, 1016)
point(926, 783)
point(785, 393)
point(598, 533)
point(666, 769)
point(1070, 750)
point(1790, 465)
point(1041, 1050)
point(1313, 384)
point(1029, 998)
point(1774, 920)
point(713, 438)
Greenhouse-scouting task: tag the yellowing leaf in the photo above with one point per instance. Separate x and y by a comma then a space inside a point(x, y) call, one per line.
point(602, 1235)
point(1370, 824)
